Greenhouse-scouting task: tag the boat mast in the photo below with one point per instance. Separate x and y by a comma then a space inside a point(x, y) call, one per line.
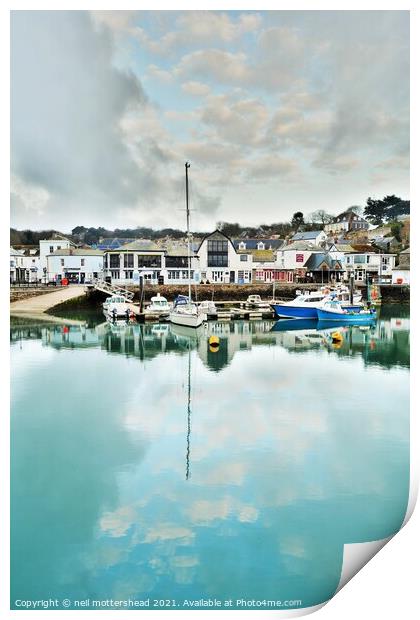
point(187, 165)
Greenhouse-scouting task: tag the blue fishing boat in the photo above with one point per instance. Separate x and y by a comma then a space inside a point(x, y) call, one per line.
point(306, 304)
point(332, 311)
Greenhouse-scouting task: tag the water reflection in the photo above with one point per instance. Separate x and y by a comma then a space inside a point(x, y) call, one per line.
point(386, 343)
point(144, 463)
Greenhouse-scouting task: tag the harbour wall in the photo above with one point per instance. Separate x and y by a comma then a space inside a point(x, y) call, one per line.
point(240, 292)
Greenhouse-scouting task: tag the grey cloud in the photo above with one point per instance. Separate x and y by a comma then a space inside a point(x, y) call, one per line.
point(67, 101)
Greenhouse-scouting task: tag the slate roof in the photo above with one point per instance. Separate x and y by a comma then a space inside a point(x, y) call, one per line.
point(252, 244)
point(140, 245)
point(315, 261)
point(306, 236)
point(303, 245)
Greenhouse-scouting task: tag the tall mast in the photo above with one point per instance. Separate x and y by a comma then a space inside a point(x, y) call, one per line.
point(187, 165)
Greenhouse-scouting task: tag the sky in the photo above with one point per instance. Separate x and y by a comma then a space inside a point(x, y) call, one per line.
point(277, 112)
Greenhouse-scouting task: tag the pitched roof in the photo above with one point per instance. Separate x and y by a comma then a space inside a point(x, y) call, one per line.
point(305, 236)
point(315, 261)
point(303, 245)
point(252, 244)
point(141, 245)
point(178, 250)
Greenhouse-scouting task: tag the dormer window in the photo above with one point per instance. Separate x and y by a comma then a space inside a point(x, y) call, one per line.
point(242, 246)
point(261, 246)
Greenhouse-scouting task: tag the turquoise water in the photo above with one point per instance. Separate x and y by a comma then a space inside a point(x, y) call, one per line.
point(146, 466)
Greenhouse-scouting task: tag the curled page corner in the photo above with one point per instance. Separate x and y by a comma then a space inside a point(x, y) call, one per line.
point(356, 556)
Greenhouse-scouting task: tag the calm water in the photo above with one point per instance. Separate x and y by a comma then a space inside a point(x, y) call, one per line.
point(146, 466)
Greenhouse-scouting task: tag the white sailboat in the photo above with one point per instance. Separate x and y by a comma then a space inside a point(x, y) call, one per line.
point(185, 312)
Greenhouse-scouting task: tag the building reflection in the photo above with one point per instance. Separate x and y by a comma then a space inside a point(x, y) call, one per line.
point(386, 343)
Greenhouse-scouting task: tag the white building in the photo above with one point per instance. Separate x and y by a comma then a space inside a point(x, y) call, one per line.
point(295, 255)
point(47, 247)
point(17, 267)
point(126, 264)
point(175, 265)
point(375, 265)
point(401, 273)
point(77, 265)
point(221, 263)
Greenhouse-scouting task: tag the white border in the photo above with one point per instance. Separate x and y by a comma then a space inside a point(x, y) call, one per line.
point(385, 587)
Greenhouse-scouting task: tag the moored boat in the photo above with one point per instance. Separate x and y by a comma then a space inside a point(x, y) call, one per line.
point(186, 313)
point(208, 308)
point(306, 304)
point(116, 306)
point(159, 305)
point(332, 311)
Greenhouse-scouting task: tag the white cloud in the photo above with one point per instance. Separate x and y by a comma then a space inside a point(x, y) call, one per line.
point(197, 89)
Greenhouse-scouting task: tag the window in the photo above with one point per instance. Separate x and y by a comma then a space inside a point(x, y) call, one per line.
point(129, 275)
point(149, 260)
point(359, 258)
point(217, 253)
point(128, 261)
point(114, 261)
point(82, 262)
point(106, 261)
point(261, 246)
point(62, 262)
point(58, 247)
point(176, 261)
point(115, 274)
point(244, 258)
point(242, 246)
point(51, 249)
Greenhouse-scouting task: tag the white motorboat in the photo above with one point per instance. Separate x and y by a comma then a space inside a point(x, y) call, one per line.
point(207, 307)
point(185, 312)
point(255, 301)
point(159, 305)
point(116, 306)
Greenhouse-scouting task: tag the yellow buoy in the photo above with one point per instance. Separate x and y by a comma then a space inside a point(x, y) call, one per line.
point(337, 337)
point(214, 341)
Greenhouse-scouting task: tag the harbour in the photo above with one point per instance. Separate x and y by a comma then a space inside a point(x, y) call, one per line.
point(188, 454)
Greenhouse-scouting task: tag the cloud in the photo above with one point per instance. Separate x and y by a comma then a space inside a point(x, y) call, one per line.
point(197, 89)
point(196, 27)
point(67, 102)
point(334, 164)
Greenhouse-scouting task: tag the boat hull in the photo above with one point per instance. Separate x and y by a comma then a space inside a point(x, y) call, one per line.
point(283, 311)
point(187, 320)
point(354, 319)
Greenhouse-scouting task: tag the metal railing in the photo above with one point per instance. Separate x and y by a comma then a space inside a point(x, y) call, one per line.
point(112, 289)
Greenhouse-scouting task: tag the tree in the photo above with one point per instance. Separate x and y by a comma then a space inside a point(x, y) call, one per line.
point(320, 216)
point(297, 220)
point(396, 229)
point(231, 230)
point(355, 209)
point(385, 210)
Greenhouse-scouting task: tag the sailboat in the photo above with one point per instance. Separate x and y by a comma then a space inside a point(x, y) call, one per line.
point(185, 312)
